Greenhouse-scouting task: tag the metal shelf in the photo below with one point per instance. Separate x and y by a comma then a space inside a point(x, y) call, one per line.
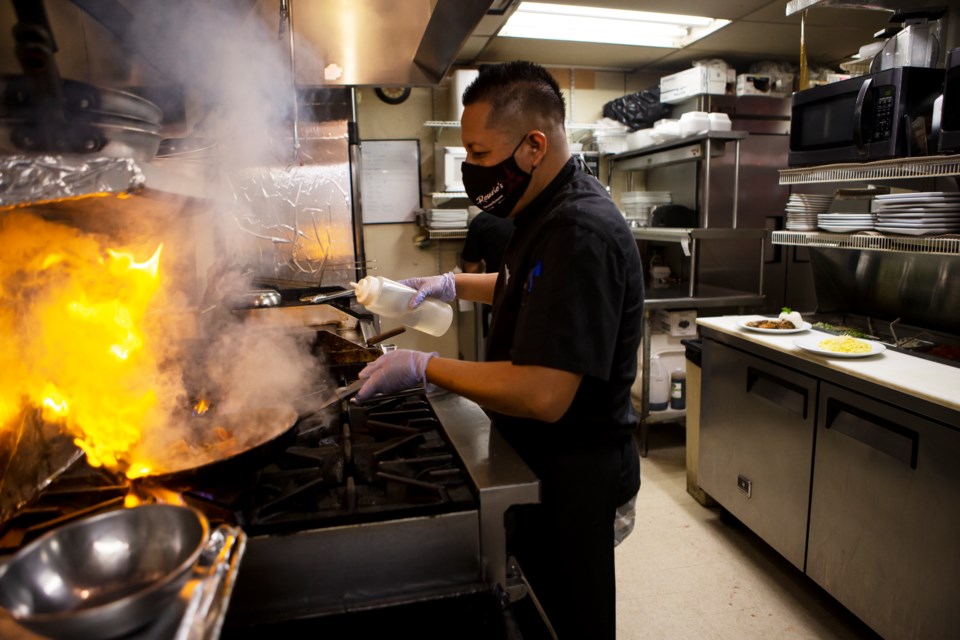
point(902, 244)
point(686, 149)
point(670, 234)
point(898, 168)
point(796, 6)
point(679, 296)
point(569, 126)
point(446, 234)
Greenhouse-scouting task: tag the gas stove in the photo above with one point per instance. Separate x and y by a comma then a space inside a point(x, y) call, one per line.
point(369, 506)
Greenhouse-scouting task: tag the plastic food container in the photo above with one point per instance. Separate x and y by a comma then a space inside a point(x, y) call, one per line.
point(694, 122)
point(720, 122)
point(639, 139)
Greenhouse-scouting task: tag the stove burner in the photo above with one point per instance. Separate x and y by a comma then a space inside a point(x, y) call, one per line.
point(79, 492)
point(388, 460)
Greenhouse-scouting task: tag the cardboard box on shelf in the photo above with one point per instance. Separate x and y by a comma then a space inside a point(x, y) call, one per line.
point(761, 84)
point(712, 79)
point(677, 323)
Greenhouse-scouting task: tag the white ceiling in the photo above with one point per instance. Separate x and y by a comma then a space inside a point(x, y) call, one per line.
point(759, 30)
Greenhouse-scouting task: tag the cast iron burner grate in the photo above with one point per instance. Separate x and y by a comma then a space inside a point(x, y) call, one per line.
point(79, 492)
point(380, 461)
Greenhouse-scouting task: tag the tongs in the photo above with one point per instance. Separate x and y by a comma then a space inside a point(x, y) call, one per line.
point(327, 297)
point(333, 396)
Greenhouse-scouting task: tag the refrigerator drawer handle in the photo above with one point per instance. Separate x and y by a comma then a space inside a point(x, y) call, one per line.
point(780, 392)
point(885, 436)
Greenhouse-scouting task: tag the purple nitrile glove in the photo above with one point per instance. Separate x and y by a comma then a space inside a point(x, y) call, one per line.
point(394, 371)
point(443, 288)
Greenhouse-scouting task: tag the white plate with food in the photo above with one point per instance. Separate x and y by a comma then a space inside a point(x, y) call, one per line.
point(839, 346)
point(772, 325)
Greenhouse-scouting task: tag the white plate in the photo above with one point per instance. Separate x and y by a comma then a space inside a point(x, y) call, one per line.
point(913, 231)
point(845, 229)
point(913, 204)
point(743, 325)
point(933, 195)
point(919, 222)
point(811, 344)
point(925, 214)
point(918, 211)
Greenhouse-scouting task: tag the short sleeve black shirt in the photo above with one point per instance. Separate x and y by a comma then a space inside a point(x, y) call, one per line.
point(487, 237)
point(569, 296)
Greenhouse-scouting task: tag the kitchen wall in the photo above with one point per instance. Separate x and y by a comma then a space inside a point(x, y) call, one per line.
point(395, 250)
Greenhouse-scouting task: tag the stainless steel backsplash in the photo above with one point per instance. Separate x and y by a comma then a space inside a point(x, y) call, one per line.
point(921, 289)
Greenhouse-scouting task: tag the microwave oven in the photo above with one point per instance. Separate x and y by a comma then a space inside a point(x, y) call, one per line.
point(447, 172)
point(887, 114)
point(950, 105)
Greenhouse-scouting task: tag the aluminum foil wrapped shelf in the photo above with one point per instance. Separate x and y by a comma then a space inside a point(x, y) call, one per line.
point(32, 180)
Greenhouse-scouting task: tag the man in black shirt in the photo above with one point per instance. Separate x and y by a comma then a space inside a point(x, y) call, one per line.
point(487, 237)
point(562, 349)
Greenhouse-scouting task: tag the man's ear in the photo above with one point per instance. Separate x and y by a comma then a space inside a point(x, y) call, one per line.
point(538, 145)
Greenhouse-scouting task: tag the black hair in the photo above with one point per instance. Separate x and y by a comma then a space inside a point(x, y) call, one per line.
point(517, 90)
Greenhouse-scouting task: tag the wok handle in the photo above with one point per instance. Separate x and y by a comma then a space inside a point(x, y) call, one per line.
point(380, 337)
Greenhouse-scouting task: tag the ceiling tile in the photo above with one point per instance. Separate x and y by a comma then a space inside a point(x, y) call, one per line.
point(728, 9)
point(829, 16)
point(555, 53)
point(824, 44)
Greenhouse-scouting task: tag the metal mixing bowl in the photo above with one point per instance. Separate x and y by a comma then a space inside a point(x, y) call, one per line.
point(103, 576)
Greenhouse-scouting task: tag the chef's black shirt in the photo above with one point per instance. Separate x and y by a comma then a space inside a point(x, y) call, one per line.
point(569, 296)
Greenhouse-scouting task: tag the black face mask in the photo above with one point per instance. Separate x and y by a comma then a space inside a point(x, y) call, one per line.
point(496, 189)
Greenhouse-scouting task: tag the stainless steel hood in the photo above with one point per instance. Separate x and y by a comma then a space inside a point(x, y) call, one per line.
point(337, 42)
point(380, 42)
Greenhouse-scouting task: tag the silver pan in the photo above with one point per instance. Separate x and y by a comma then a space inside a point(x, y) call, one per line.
point(81, 97)
point(120, 142)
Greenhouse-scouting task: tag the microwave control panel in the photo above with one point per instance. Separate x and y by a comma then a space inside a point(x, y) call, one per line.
point(883, 113)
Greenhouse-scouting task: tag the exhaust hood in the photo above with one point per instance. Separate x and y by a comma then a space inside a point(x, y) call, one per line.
point(337, 42)
point(381, 42)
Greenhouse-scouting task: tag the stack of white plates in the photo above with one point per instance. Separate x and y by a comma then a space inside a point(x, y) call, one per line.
point(918, 213)
point(802, 211)
point(846, 222)
point(637, 205)
point(447, 218)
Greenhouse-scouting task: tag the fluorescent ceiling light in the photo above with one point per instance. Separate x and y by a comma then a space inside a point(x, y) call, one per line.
point(608, 26)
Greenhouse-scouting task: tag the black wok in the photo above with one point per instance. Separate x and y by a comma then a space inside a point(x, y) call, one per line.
point(260, 434)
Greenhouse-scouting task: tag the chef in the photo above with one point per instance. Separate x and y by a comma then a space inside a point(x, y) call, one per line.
point(561, 351)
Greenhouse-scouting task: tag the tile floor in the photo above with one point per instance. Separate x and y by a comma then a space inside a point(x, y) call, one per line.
point(684, 574)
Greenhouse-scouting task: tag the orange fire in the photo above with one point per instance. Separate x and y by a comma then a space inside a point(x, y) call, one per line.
point(147, 494)
point(82, 338)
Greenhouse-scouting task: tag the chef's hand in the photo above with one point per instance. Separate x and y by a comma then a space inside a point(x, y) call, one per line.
point(394, 371)
point(443, 288)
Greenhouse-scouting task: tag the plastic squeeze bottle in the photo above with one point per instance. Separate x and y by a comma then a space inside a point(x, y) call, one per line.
point(392, 300)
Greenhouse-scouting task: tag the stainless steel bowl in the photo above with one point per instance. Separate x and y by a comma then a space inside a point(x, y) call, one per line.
point(103, 576)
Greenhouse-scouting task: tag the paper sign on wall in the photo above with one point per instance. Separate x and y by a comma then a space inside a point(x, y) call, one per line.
point(390, 180)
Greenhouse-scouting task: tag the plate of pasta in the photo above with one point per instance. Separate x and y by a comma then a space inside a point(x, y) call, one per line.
point(839, 346)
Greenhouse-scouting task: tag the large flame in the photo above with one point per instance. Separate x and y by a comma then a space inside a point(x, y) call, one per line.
point(79, 340)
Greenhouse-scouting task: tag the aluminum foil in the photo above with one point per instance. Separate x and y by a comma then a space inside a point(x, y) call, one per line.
point(296, 222)
point(31, 180)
